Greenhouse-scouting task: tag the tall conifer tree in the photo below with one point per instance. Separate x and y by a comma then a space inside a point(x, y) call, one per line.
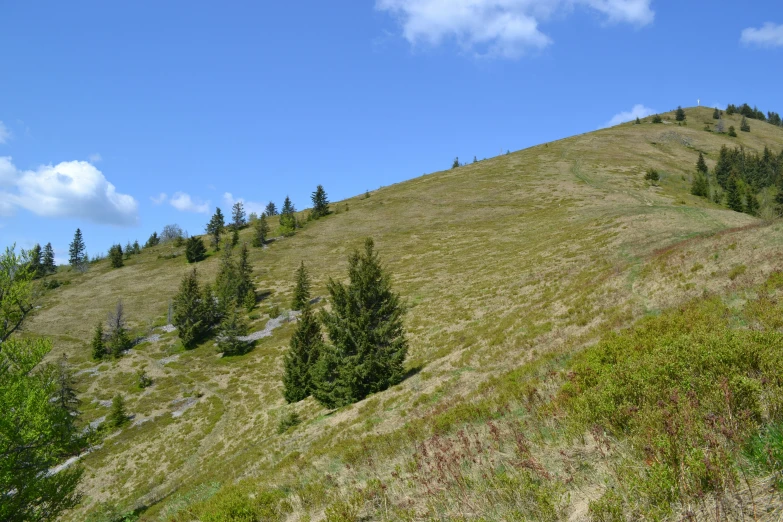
point(238, 215)
point(48, 259)
point(320, 202)
point(260, 231)
point(76, 256)
point(305, 349)
point(215, 228)
point(190, 310)
point(701, 165)
point(302, 288)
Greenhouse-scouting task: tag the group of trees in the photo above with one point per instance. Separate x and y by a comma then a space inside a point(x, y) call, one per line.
point(38, 409)
point(367, 346)
point(201, 310)
point(754, 113)
point(113, 341)
point(41, 261)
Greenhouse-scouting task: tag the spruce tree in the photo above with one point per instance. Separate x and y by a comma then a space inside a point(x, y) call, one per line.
point(238, 215)
point(657, 119)
point(244, 277)
point(305, 349)
point(48, 259)
point(234, 236)
point(118, 417)
point(287, 218)
point(190, 308)
point(475, 159)
point(136, 247)
point(271, 209)
point(700, 186)
point(455, 164)
point(752, 206)
point(680, 114)
point(638, 121)
point(66, 391)
point(195, 250)
point(35, 262)
point(733, 197)
point(227, 282)
point(76, 257)
point(732, 132)
point(119, 338)
point(152, 241)
point(260, 231)
point(128, 250)
point(302, 288)
point(232, 328)
point(115, 256)
point(320, 202)
point(744, 125)
point(701, 165)
point(215, 228)
point(368, 345)
point(97, 347)
point(716, 114)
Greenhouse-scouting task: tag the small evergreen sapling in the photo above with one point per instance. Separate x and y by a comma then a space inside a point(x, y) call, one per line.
point(260, 231)
point(679, 115)
point(744, 125)
point(701, 165)
point(716, 114)
point(733, 197)
point(195, 250)
point(97, 347)
point(232, 328)
point(302, 288)
point(455, 164)
point(657, 119)
point(732, 132)
point(118, 417)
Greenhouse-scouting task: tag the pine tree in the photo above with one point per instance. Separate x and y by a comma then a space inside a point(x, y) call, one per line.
point(701, 165)
point(732, 132)
point(305, 349)
point(744, 125)
point(456, 163)
point(215, 228)
point(731, 109)
point(227, 282)
point(700, 186)
point(119, 339)
point(320, 202)
point(35, 262)
point(657, 119)
point(733, 197)
point(190, 310)
point(136, 248)
point(260, 231)
point(475, 160)
point(48, 259)
point(302, 288)
point(76, 256)
point(287, 218)
point(638, 121)
point(234, 237)
point(680, 114)
point(752, 206)
point(66, 391)
point(97, 346)
point(152, 241)
point(128, 250)
point(366, 331)
point(115, 256)
point(716, 114)
point(118, 417)
point(244, 276)
point(238, 215)
point(232, 328)
point(271, 209)
point(195, 250)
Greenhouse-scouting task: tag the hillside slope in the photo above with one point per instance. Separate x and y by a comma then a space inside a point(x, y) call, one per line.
point(500, 262)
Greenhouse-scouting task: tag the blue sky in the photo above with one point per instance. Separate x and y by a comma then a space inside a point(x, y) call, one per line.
point(121, 117)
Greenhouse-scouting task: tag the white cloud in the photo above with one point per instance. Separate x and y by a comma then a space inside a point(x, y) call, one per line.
point(183, 202)
point(250, 206)
point(160, 198)
point(638, 111)
point(94, 158)
point(768, 35)
point(504, 28)
point(74, 189)
point(5, 134)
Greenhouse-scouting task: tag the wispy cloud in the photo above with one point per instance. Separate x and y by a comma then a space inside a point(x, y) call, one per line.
point(5, 133)
point(94, 158)
point(159, 199)
point(505, 28)
point(250, 206)
point(638, 111)
point(185, 203)
point(74, 189)
point(768, 35)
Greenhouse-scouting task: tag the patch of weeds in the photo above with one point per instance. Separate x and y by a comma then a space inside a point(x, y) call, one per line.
point(288, 421)
point(737, 271)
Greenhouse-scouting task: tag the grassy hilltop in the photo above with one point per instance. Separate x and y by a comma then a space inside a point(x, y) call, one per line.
point(510, 267)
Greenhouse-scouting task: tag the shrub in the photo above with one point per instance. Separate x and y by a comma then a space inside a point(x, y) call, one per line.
point(652, 175)
point(657, 119)
point(732, 132)
point(287, 421)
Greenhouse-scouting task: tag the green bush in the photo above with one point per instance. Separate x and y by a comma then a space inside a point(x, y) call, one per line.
point(652, 175)
point(288, 420)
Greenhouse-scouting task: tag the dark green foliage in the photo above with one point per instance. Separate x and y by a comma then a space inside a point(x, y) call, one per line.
point(193, 311)
point(142, 379)
point(700, 186)
point(36, 434)
point(657, 118)
point(76, 256)
point(97, 347)
point(774, 118)
point(215, 228)
point(48, 260)
point(303, 354)
point(456, 163)
point(701, 165)
point(366, 331)
point(270, 210)
point(732, 132)
point(234, 237)
point(65, 392)
point(638, 121)
point(287, 218)
point(152, 241)
point(320, 203)
point(302, 288)
point(244, 277)
point(238, 219)
point(115, 256)
point(232, 328)
point(733, 196)
point(757, 171)
point(136, 248)
point(652, 175)
point(35, 262)
point(195, 250)
point(716, 114)
point(118, 336)
point(731, 109)
point(287, 421)
point(752, 204)
point(260, 231)
point(679, 115)
point(475, 160)
point(117, 417)
point(744, 125)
